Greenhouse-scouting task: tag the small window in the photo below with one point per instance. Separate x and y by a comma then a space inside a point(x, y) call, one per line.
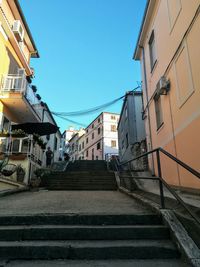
point(86, 153)
point(83, 145)
point(113, 128)
point(92, 135)
point(99, 119)
point(158, 110)
point(99, 130)
point(98, 146)
point(79, 147)
point(127, 140)
point(92, 125)
point(152, 50)
point(113, 117)
point(87, 140)
point(25, 146)
point(55, 143)
point(113, 143)
point(122, 144)
point(126, 113)
point(87, 131)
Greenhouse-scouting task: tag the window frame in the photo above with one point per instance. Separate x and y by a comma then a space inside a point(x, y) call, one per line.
point(152, 50)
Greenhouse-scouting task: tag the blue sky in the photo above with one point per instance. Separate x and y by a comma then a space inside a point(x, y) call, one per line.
point(86, 49)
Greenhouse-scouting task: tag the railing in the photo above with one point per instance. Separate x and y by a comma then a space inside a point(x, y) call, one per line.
point(160, 179)
point(20, 149)
point(14, 83)
point(19, 84)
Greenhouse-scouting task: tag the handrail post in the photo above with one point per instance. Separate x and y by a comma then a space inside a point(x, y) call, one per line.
point(162, 199)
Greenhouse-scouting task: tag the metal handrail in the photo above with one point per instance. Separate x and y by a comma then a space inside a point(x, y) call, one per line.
point(163, 182)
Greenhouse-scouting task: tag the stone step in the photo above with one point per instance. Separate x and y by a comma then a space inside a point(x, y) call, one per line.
point(97, 263)
point(79, 249)
point(81, 219)
point(81, 232)
point(81, 188)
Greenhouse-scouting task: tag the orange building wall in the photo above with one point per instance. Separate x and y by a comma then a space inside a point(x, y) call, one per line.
point(180, 133)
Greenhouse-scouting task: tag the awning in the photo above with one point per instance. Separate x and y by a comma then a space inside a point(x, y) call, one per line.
point(40, 128)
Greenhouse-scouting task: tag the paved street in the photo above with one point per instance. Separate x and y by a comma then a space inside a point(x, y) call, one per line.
point(112, 202)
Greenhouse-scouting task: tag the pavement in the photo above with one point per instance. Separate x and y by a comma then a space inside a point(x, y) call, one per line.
point(78, 202)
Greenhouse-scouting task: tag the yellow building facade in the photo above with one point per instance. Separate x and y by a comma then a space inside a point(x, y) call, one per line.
point(18, 100)
point(168, 50)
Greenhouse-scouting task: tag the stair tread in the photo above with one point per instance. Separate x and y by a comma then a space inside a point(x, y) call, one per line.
point(16, 227)
point(92, 243)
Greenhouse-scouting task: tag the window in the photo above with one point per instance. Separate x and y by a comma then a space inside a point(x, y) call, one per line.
point(152, 50)
point(98, 146)
point(83, 145)
point(87, 131)
point(55, 143)
point(99, 130)
point(92, 135)
point(86, 140)
point(126, 113)
point(113, 128)
point(6, 124)
point(92, 125)
point(79, 147)
point(113, 117)
point(98, 119)
point(113, 143)
point(122, 144)
point(126, 140)
point(16, 145)
point(158, 110)
point(86, 153)
point(24, 146)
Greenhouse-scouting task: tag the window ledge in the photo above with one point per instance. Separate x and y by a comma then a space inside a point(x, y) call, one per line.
point(154, 66)
point(160, 127)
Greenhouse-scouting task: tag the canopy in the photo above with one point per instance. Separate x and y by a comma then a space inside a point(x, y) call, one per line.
point(40, 128)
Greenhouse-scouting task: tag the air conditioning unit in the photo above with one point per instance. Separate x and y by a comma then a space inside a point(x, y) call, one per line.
point(162, 86)
point(18, 30)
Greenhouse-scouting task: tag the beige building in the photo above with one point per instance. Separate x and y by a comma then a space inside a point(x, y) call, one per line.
point(101, 136)
point(168, 49)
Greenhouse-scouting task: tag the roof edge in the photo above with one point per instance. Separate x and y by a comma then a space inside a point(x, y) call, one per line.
point(147, 13)
point(36, 53)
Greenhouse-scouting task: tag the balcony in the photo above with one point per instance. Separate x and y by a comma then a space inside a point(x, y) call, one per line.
point(19, 97)
point(21, 148)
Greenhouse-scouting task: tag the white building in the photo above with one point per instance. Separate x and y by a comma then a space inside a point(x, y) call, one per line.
point(101, 136)
point(73, 145)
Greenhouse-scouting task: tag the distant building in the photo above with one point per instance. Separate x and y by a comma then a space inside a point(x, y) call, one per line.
point(101, 136)
point(81, 147)
point(73, 145)
point(66, 136)
point(131, 130)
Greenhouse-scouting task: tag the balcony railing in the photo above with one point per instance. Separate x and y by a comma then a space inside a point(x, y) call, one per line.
point(20, 149)
point(19, 84)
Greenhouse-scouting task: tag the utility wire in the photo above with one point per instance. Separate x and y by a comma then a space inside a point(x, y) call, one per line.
point(71, 121)
point(88, 111)
point(65, 115)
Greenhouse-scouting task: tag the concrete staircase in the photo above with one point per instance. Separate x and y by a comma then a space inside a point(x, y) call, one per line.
point(81, 175)
point(86, 237)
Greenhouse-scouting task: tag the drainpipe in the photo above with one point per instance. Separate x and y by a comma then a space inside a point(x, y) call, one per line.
point(148, 116)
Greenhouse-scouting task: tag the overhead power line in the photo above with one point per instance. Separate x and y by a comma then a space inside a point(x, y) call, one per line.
point(88, 111)
point(65, 115)
point(71, 121)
